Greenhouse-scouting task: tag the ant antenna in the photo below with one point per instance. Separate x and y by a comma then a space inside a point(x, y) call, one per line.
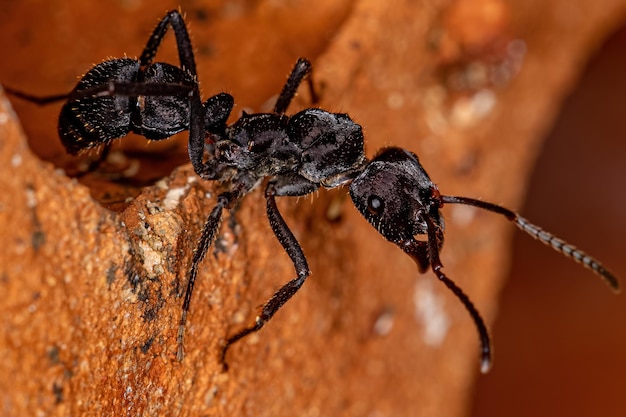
point(544, 237)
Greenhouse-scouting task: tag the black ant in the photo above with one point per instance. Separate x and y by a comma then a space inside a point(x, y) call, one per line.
point(291, 155)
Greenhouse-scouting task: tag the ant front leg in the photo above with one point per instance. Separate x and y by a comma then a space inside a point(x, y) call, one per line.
point(301, 70)
point(224, 200)
point(291, 185)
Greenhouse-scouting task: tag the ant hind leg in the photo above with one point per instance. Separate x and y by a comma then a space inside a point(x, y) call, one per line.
point(39, 100)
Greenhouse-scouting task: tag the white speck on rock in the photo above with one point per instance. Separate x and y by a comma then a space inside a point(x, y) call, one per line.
point(172, 198)
point(430, 312)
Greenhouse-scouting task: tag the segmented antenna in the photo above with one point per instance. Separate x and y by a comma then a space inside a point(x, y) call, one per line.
point(568, 250)
point(544, 237)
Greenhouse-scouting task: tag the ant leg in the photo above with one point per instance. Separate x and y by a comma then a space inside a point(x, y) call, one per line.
point(224, 200)
point(188, 64)
point(39, 100)
point(198, 113)
point(132, 89)
point(544, 237)
point(44, 100)
point(183, 43)
point(185, 54)
point(195, 146)
point(291, 246)
point(301, 70)
point(216, 111)
point(436, 265)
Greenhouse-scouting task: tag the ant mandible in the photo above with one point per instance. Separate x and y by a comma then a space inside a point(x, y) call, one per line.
point(294, 156)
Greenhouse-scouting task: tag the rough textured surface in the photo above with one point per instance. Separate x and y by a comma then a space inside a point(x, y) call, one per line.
point(91, 296)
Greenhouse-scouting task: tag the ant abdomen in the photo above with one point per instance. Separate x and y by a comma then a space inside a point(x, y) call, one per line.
point(92, 121)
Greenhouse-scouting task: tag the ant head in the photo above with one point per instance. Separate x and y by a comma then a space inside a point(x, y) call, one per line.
point(397, 197)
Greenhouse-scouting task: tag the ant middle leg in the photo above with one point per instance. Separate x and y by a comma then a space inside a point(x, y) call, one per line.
point(224, 201)
point(300, 71)
point(284, 186)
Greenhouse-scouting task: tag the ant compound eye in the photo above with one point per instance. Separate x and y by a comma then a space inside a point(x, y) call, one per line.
point(375, 205)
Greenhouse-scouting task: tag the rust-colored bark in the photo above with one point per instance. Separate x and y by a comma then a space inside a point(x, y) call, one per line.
point(91, 298)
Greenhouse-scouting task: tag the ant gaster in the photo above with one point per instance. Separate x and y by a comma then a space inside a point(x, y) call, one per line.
point(291, 155)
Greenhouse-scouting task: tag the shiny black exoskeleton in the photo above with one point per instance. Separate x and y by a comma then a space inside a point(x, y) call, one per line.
point(292, 155)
